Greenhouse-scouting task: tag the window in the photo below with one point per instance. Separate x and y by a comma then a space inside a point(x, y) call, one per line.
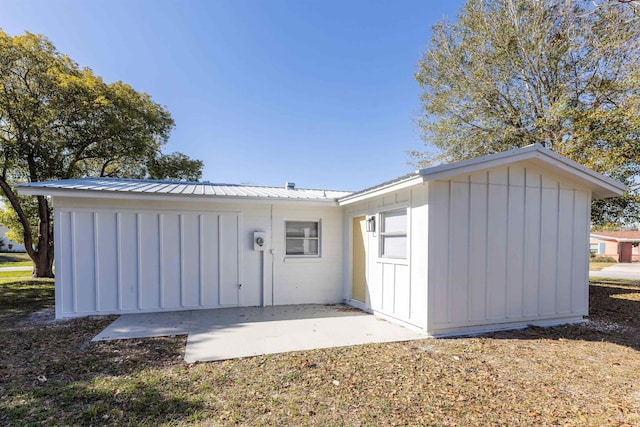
point(393, 234)
point(303, 238)
point(593, 248)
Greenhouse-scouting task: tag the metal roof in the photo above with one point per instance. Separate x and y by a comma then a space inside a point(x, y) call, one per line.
point(158, 187)
point(602, 186)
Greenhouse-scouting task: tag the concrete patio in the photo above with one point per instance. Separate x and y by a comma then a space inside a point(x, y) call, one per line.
point(251, 331)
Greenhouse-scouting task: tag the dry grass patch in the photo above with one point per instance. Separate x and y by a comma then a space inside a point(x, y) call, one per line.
point(575, 375)
point(597, 266)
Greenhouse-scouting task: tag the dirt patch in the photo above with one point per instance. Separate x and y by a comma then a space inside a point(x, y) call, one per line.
point(43, 316)
point(346, 308)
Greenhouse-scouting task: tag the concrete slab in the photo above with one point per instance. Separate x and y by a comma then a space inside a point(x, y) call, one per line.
point(250, 331)
point(232, 333)
point(146, 325)
point(628, 271)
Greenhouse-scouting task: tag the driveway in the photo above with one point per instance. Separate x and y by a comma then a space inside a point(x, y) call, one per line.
point(250, 331)
point(629, 271)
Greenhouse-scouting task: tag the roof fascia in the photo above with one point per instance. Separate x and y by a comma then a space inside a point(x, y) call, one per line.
point(615, 239)
point(606, 186)
point(125, 195)
point(410, 182)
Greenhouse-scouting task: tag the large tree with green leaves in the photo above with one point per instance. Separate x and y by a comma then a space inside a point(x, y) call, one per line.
point(564, 73)
point(60, 121)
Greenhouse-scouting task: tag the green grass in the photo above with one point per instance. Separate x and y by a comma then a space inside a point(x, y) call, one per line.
point(17, 264)
point(579, 375)
point(10, 257)
point(15, 274)
point(15, 259)
point(19, 297)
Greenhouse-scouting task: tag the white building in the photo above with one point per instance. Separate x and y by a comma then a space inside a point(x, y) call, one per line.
point(496, 242)
point(10, 245)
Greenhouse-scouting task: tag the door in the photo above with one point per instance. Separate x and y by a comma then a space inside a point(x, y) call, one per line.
point(359, 267)
point(625, 251)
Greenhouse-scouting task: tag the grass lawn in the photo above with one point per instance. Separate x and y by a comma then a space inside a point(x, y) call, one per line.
point(597, 266)
point(581, 375)
point(15, 259)
point(603, 280)
point(15, 274)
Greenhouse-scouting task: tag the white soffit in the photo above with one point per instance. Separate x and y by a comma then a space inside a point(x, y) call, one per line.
point(386, 187)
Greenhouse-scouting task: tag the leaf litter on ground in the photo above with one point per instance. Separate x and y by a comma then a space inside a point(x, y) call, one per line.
point(576, 375)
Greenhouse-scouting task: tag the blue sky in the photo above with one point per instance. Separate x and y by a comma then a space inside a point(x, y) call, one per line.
point(316, 92)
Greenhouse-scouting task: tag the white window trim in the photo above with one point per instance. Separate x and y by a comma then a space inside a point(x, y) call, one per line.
point(302, 257)
point(381, 234)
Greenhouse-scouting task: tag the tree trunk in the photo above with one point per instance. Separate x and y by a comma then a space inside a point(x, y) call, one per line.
point(43, 264)
point(43, 256)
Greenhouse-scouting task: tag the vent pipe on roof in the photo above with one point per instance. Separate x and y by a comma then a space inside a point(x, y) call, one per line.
point(289, 185)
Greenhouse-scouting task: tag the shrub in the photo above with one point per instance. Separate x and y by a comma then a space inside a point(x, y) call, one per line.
point(603, 259)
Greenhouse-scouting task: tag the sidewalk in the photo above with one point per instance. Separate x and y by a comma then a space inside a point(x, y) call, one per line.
point(629, 271)
point(22, 268)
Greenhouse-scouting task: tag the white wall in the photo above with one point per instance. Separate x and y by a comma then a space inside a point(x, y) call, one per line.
point(116, 256)
point(507, 245)
point(395, 288)
point(15, 246)
point(300, 280)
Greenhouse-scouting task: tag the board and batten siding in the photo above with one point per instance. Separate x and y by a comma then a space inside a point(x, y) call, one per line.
point(395, 288)
point(150, 255)
point(120, 261)
point(507, 245)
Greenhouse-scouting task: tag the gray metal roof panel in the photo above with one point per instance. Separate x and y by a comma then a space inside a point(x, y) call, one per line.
point(186, 188)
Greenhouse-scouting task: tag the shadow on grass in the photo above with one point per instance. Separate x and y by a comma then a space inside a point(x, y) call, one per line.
point(6, 257)
point(51, 373)
point(24, 296)
point(614, 316)
point(140, 400)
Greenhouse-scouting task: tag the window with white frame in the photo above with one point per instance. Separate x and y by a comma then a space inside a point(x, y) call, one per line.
point(393, 234)
point(302, 238)
point(597, 248)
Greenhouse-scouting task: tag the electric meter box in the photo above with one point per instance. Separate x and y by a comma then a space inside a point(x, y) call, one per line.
point(259, 240)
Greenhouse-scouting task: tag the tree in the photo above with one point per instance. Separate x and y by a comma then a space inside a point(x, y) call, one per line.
point(564, 73)
point(60, 121)
point(174, 165)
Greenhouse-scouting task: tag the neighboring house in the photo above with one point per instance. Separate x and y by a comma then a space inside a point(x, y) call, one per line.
point(9, 245)
point(623, 246)
point(490, 243)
